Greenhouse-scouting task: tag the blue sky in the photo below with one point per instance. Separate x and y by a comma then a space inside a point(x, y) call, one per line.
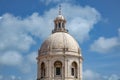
point(25, 24)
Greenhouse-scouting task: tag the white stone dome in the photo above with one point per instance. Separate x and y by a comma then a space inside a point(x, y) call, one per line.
point(60, 42)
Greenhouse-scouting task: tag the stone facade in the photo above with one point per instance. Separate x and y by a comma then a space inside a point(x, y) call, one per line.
point(65, 63)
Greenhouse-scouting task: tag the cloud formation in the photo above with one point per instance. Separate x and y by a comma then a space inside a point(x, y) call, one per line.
point(11, 58)
point(17, 33)
point(13, 34)
point(91, 75)
point(32, 57)
point(47, 2)
point(11, 77)
point(119, 32)
point(105, 45)
point(81, 20)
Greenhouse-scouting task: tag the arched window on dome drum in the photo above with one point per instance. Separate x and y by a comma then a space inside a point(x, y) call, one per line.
point(43, 70)
point(74, 69)
point(58, 68)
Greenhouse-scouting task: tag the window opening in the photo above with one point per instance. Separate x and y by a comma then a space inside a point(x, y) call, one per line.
point(59, 25)
point(58, 72)
point(72, 71)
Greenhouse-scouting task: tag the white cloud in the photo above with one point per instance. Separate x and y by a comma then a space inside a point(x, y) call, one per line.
point(28, 63)
point(13, 34)
point(47, 2)
point(32, 57)
point(17, 33)
point(13, 77)
point(24, 64)
point(0, 18)
point(81, 21)
point(1, 77)
point(91, 75)
point(10, 77)
point(114, 77)
point(119, 32)
point(104, 45)
point(11, 58)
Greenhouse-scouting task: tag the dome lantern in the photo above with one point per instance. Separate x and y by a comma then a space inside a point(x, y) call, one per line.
point(59, 23)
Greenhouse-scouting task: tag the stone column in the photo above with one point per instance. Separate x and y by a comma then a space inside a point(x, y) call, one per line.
point(38, 70)
point(80, 62)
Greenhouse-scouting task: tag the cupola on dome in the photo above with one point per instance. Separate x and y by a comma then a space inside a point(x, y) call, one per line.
point(60, 17)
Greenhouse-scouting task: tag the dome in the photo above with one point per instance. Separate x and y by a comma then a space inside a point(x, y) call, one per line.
point(60, 17)
point(58, 43)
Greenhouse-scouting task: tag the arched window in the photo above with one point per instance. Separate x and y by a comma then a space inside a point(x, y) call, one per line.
point(59, 25)
point(58, 68)
point(55, 26)
point(43, 70)
point(74, 69)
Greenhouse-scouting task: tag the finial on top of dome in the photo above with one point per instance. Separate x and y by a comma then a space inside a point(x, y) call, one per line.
point(59, 9)
point(59, 23)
